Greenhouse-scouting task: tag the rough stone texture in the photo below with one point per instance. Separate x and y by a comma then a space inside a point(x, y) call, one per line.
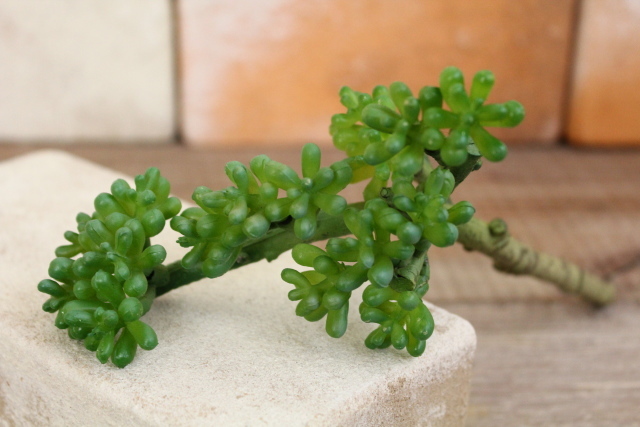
point(267, 72)
point(231, 350)
point(86, 70)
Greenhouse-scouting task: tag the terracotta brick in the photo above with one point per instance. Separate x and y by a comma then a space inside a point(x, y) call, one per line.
point(86, 70)
point(270, 72)
point(605, 101)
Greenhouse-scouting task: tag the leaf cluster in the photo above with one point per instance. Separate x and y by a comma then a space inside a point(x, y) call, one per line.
point(389, 136)
point(104, 280)
point(412, 151)
point(264, 195)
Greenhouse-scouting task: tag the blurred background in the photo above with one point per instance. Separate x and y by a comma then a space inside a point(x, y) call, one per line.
point(210, 73)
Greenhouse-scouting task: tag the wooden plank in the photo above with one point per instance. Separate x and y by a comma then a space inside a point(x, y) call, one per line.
point(559, 364)
point(605, 96)
point(542, 358)
point(270, 72)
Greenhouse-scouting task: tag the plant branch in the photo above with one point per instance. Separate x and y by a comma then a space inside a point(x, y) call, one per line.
point(269, 248)
point(514, 257)
point(492, 239)
point(472, 163)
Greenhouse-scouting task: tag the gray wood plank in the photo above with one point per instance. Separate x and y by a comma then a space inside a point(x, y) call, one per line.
point(543, 358)
point(552, 364)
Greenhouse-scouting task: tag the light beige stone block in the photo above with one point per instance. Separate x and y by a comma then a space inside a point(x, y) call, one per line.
point(232, 352)
point(86, 70)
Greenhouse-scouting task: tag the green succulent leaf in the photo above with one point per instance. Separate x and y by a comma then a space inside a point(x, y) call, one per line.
point(409, 151)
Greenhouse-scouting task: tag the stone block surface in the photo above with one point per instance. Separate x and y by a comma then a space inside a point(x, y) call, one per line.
point(232, 352)
point(270, 72)
point(86, 70)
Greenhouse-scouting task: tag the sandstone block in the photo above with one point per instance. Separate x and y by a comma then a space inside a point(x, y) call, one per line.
point(232, 352)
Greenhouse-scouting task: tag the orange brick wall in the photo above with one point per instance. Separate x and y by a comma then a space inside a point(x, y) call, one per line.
point(605, 102)
point(269, 72)
point(252, 72)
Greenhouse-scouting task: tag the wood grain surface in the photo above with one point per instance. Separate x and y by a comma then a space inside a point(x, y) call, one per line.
point(543, 358)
